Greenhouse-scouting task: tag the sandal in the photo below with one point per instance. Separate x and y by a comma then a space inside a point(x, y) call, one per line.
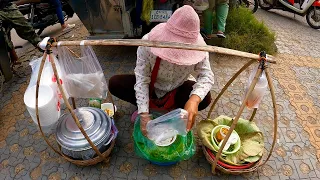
point(207, 36)
point(220, 34)
point(68, 27)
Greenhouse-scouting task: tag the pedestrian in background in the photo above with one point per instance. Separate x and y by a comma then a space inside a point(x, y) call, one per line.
point(222, 8)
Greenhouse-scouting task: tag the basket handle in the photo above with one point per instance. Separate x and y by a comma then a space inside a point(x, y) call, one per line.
point(275, 118)
point(227, 85)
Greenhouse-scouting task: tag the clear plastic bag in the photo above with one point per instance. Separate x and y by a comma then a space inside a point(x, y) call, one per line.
point(259, 91)
point(47, 76)
point(181, 148)
point(84, 75)
point(168, 126)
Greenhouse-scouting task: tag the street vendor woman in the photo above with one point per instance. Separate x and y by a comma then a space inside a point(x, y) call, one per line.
point(163, 76)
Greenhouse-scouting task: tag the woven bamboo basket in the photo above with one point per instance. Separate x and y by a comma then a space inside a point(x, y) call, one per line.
point(104, 156)
point(96, 159)
point(231, 171)
point(262, 67)
point(133, 42)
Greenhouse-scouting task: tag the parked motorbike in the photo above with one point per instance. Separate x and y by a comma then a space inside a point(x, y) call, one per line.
point(42, 15)
point(252, 5)
point(308, 8)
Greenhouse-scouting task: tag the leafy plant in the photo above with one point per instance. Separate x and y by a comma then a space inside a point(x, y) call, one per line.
point(245, 33)
point(252, 140)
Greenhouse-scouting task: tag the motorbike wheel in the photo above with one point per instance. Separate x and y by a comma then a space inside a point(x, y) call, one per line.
point(313, 17)
point(264, 5)
point(250, 4)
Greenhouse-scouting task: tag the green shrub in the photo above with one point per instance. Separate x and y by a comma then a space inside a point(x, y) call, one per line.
point(245, 33)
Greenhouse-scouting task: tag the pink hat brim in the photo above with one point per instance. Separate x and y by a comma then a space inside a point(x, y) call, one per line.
point(176, 56)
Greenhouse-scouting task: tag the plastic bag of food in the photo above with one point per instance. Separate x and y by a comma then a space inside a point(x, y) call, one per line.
point(175, 149)
point(259, 90)
point(168, 126)
point(84, 76)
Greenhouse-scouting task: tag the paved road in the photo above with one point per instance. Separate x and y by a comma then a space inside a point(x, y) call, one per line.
point(294, 35)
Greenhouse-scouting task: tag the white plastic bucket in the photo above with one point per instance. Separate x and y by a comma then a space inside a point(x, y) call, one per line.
point(49, 113)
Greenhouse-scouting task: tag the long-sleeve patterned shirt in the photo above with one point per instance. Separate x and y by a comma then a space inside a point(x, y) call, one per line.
point(170, 77)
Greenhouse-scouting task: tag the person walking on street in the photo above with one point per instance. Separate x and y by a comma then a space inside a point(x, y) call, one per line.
point(222, 8)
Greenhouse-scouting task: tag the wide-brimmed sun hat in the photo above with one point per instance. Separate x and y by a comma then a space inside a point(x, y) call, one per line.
point(182, 27)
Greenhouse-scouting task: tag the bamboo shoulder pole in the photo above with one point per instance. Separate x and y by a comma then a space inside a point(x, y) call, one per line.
point(139, 42)
point(235, 120)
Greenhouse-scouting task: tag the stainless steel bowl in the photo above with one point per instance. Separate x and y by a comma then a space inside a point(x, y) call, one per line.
point(97, 125)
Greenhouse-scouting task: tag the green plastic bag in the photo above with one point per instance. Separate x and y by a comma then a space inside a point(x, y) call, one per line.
point(181, 149)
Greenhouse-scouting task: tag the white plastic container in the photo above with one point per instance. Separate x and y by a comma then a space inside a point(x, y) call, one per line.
point(108, 108)
point(259, 90)
point(49, 113)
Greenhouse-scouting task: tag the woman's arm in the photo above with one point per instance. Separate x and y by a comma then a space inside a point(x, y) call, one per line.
point(201, 88)
point(143, 78)
point(205, 79)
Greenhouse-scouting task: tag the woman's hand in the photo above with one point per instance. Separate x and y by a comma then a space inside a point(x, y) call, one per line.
point(192, 108)
point(144, 119)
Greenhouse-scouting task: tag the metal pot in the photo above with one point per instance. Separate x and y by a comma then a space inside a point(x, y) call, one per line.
point(97, 125)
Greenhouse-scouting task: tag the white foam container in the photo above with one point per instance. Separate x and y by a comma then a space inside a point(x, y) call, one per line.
point(49, 113)
point(109, 106)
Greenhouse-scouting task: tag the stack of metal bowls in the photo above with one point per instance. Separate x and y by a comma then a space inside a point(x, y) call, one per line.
point(97, 125)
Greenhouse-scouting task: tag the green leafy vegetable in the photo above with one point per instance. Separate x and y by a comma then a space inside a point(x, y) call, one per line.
point(252, 141)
